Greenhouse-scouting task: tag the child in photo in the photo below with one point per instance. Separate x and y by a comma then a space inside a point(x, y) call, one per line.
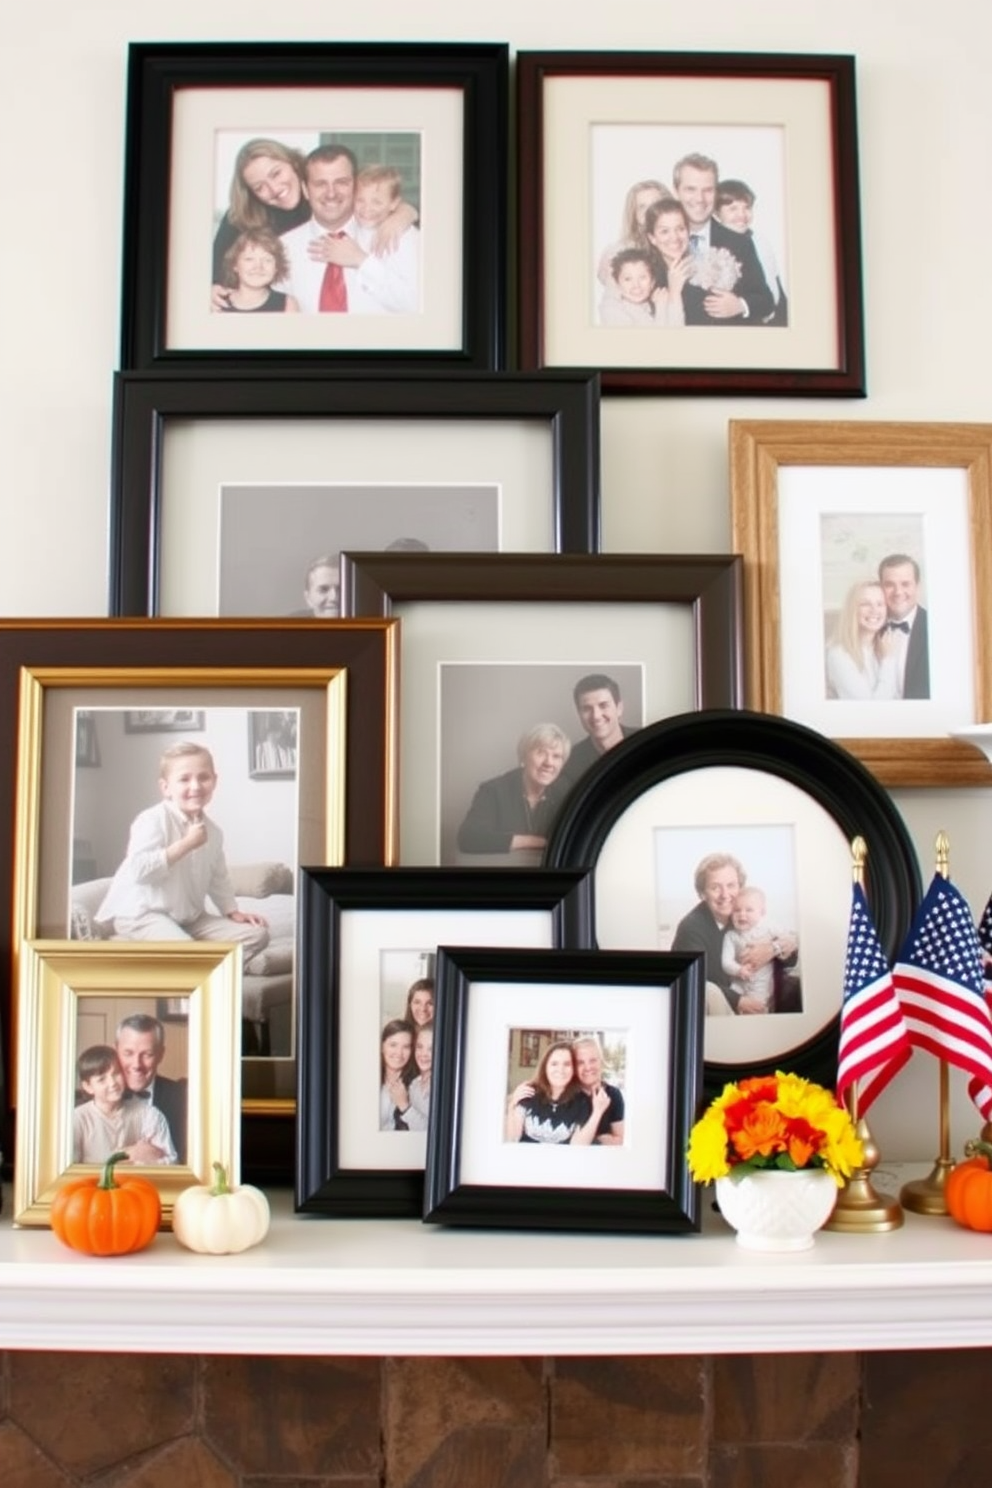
point(635, 280)
point(175, 861)
point(378, 193)
point(749, 926)
point(735, 209)
point(112, 1121)
point(252, 264)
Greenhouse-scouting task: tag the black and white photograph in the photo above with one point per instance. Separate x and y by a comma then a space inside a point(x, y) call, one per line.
point(515, 738)
point(280, 542)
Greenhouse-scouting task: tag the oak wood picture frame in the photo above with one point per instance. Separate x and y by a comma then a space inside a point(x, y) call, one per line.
point(161, 76)
point(145, 404)
point(43, 662)
point(764, 456)
point(565, 98)
point(331, 986)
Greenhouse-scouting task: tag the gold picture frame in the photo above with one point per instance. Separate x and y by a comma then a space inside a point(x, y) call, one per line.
point(816, 505)
point(56, 976)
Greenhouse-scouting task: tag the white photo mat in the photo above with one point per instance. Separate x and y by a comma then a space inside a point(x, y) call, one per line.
point(437, 114)
point(200, 456)
point(494, 1008)
point(363, 935)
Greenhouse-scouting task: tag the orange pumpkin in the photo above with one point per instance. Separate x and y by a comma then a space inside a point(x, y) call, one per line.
point(968, 1188)
point(106, 1215)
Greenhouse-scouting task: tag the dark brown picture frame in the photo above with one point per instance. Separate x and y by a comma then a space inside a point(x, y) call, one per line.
point(535, 70)
point(37, 656)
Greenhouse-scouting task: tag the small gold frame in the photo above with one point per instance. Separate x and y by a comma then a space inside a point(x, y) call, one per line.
point(54, 976)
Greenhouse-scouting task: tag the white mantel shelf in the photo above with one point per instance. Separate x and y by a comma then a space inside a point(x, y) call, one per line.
point(397, 1287)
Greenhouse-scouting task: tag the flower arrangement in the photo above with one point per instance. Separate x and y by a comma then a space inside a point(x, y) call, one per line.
point(717, 268)
point(775, 1121)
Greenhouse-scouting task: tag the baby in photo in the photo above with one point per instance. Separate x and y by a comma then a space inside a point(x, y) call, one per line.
point(749, 926)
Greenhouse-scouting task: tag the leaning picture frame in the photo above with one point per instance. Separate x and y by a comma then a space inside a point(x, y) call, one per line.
point(72, 1003)
point(364, 936)
point(217, 140)
point(522, 449)
point(750, 271)
point(494, 646)
point(504, 1153)
point(819, 509)
point(776, 805)
point(342, 678)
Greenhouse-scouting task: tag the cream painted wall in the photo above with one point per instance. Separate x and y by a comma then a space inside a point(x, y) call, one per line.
point(925, 119)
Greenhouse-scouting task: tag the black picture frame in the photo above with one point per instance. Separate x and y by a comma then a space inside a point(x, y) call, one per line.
point(619, 76)
point(157, 72)
point(672, 1205)
point(783, 751)
point(324, 1185)
point(146, 402)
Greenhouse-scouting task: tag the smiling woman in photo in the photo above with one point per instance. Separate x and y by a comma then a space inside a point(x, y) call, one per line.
point(553, 1107)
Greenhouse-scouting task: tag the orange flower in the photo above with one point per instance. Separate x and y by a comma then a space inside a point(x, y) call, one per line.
point(761, 1133)
point(802, 1141)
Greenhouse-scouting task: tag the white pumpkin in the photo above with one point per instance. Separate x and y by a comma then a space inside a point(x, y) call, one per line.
point(219, 1220)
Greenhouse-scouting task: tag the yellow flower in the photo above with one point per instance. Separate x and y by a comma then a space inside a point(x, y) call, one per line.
point(708, 1148)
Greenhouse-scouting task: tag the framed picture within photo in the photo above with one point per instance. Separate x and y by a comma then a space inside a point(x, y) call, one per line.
point(274, 477)
point(521, 672)
point(595, 1137)
point(868, 554)
point(689, 222)
point(75, 837)
point(99, 1071)
point(356, 190)
point(367, 1013)
point(729, 835)
point(163, 720)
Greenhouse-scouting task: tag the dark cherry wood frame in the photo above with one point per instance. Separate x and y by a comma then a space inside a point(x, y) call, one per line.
point(847, 379)
point(77, 652)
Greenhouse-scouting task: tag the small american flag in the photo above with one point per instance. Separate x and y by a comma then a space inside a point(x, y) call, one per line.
point(940, 981)
point(985, 941)
point(874, 1040)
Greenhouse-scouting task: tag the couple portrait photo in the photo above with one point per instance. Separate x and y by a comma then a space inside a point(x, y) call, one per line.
point(729, 894)
point(875, 613)
point(514, 742)
point(689, 226)
point(573, 1095)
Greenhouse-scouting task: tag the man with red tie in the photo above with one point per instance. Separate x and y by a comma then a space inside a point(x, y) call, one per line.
point(329, 270)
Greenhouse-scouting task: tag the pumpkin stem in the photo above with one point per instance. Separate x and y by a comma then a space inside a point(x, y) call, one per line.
point(107, 1179)
point(977, 1148)
point(221, 1185)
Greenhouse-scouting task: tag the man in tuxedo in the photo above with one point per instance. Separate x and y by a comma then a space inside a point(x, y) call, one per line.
point(899, 576)
point(140, 1043)
point(750, 302)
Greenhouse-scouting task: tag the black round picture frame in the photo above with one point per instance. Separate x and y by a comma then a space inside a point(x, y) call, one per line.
point(790, 752)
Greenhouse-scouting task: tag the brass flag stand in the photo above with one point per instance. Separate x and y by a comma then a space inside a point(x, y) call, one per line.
point(860, 1209)
point(926, 1195)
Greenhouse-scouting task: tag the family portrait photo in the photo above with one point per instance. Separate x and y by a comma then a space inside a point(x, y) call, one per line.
point(689, 226)
point(730, 894)
point(131, 1090)
point(406, 1016)
point(874, 606)
point(177, 836)
point(280, 543)
point(574, 1095)
point(515, 739)
point(316, 221)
